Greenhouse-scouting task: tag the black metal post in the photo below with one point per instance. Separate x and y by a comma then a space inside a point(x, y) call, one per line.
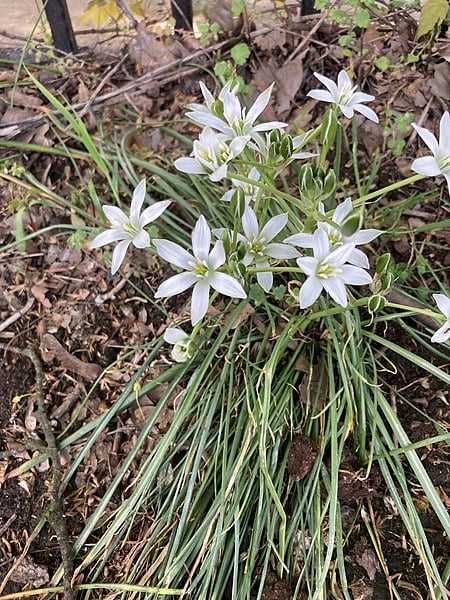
point(58, 18)
point(182, 12)
point(308, 7)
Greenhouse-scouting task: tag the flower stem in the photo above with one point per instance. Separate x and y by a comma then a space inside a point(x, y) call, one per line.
point(389, 188)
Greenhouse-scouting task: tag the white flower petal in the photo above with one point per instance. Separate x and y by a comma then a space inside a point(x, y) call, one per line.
point(141, 239)
point(189, 165)
point(228, 195)
point(199, 301)
point(118, 255)
point(269, 126)
point(115, 215)
point(250, 224)
point(176, 285)
point(363, 236)
point(206, 119)
point(321, 244)
point(336, 289)
point(273, 226)
point(340, 255)
point(342, 211)
point(344, 81)
point(217, 256)
point(108, 237)
point(174, 335)
point(259, 105)
point(174, 253)
point(238, 144)
point(442, 334)
point(308, 264)
point(447, 178)
point(310, 291)
point(151, 213)
point(426, 165)
point(352, 275)
point(137, 201)
point(227, 285)
point(208, 97)
point(428, 137)
point(358, 258)
point(444, 133)
point(303, 155)
point(219, 173)
point(201, 239)
point(179, 353)
point(328, 83)
point(281, 251)
point(265, 279)
point(347, 110)
point(302, 240)
point(359, 97)
point(253, 174)
point(443, 303)
point(366, 111)
point(321, 95)
point(231, 106)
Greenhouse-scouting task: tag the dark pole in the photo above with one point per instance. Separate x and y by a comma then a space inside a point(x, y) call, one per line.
point(308, 7)
point(58, 18)
point(182, 12)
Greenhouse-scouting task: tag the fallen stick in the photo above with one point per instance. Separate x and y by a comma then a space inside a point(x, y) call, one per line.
point(19, 313)
point(55, 349)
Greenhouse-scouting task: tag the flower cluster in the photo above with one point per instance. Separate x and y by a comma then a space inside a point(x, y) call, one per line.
point(262, 230)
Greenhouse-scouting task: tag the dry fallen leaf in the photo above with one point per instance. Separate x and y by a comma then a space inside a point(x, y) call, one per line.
point(39, 292)
point(147, 51)
point(369, 562)
point(440, 83)
point(289, 79)
point(28, 573)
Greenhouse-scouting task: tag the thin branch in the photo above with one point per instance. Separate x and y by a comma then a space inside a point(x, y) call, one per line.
point(56, 514)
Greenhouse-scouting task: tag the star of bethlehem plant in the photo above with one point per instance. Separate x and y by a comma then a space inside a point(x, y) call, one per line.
point(313, 240)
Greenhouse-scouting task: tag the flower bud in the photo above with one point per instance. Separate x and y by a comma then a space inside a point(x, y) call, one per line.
point(286, 147)
point(275, 136)
point(217, 108)
point(376, 303)
point(383, 263)
point(329, 183)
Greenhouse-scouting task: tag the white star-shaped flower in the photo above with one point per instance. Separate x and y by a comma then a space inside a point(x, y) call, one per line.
point(439, 161)
point(181, 341)
point(228, 116)
point(128, 229)
point(344, 96)
point(259, 245)
point(201, 270)
point(337, 238)
point(211, 154)
point(327, 270)
point(443, 333)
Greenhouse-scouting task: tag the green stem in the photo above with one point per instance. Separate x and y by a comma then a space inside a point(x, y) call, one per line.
point(412, 309)
point(389, 188)
point(338, 152)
